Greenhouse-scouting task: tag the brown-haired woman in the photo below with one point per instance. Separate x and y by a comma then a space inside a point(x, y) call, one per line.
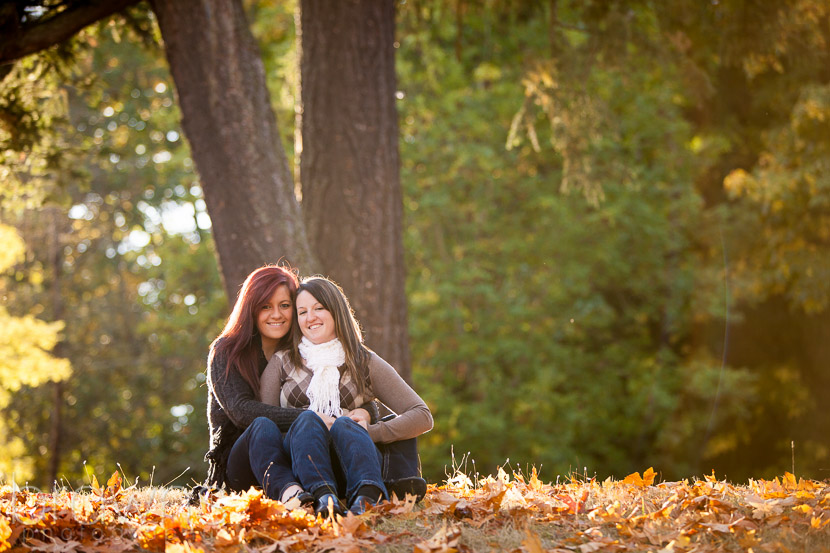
point(328, 372)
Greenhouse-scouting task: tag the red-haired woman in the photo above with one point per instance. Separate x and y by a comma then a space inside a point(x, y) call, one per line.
point(246, 442)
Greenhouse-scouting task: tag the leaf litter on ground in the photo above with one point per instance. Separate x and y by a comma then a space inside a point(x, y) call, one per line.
point(515, 513)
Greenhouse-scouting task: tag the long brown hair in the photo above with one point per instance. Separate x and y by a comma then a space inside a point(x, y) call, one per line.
point(346, 328)
point(240, 342)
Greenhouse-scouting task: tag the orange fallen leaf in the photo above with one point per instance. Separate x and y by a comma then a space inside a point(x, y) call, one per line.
point(352, 525)
point(634, 479)
point(647, 479)
point(717, 527)
point(95, 487)
point(5, 534)
point(817, 523)
point(575, 506)
point(445, 540)
point(535, 484)
point(151, 536)
point(114, 483)
point(678, 544)
point(806, 509)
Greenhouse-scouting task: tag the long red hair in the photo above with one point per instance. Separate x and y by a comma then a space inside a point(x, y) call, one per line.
point(239, 342)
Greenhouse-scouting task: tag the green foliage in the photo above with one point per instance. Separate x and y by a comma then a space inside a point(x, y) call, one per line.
point(37, 147)
point(30, 113)
point(564, 330)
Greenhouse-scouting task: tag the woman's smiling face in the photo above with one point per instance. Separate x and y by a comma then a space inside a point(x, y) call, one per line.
point(316, 322)
point(274, 317)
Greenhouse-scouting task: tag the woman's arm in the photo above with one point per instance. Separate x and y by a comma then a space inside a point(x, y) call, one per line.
point(239, 401)
point(269, 383)
point(414, 417)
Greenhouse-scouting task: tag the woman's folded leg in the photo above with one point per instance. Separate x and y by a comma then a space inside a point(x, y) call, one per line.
point(308, 444)
point(258, 457)
point(359, 459)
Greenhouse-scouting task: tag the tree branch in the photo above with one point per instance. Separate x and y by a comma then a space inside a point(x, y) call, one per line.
point(19, 40)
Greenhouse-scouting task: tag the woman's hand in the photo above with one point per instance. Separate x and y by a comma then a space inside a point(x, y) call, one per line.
point(360, 416)
point(326, 419)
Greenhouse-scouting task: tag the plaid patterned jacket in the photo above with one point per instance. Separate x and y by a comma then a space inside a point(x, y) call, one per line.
point(294, 382)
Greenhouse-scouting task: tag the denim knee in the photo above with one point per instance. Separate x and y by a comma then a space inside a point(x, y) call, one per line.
point(308, 443)
point(309, 420)
point(264, 425)
point(264, 422)
point(344, 426)
point(307, 427)
point(360, 459)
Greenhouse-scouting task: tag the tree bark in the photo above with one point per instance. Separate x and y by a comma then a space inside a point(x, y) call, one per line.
point(232, 130)
point(349, 165)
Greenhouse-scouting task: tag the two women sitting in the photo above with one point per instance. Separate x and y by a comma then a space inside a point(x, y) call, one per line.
point(291, 401)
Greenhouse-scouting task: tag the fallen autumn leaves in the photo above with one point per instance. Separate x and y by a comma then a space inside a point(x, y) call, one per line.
point(497, 513)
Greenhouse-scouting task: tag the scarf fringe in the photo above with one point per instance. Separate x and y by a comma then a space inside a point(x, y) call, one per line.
point(324, 389)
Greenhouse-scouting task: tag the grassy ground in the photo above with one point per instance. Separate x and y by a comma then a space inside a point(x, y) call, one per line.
point(497, 513)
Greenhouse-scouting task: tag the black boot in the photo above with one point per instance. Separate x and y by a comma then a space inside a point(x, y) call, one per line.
point(328, 504)
point(412, 485)
point(367, 497)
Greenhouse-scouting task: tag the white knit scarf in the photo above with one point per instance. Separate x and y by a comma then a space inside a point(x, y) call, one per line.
point(324, 389)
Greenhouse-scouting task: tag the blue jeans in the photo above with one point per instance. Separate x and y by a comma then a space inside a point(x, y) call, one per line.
point(258, 458)
point(341, 460)
point(400, 460)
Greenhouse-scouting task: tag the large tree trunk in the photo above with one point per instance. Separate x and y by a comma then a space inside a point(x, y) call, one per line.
point(349, 167)
point(232, 130)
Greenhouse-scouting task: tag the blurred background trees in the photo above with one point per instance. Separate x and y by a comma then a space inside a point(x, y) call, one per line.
point(24, 350)
point(615, 233)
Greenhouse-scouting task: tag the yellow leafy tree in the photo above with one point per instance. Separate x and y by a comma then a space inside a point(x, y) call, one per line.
point(25, 343)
